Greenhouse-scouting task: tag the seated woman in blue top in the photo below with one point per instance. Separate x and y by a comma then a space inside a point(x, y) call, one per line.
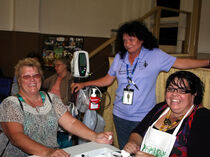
point(177, 127)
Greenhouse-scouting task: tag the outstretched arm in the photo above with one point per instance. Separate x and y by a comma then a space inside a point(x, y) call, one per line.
point(187, 63)
point(101, 82)
point(76, 127)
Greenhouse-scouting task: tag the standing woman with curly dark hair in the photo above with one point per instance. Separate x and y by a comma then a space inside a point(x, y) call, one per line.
point(140, 31)
point(136, 68)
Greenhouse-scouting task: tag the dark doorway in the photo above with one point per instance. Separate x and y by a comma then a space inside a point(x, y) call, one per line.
point(168, 35)
point(175, 4)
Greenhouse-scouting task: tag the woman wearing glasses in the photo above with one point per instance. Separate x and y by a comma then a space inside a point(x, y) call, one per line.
point(60, 82)
point(30, 120)
point(177, 127)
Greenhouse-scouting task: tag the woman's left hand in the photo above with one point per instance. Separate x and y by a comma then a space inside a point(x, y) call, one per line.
point(131, 147)
point(104, 137)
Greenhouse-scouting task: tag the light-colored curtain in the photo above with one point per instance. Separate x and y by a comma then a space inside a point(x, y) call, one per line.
point(107, 114)
point(203, 73)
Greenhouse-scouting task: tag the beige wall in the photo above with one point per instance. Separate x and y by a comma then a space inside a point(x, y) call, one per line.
point(204, 33)
point(6, 14)
point(26, 15)
point(94, 18)
point(19, 15)
point(80, 17)
point(87, 17)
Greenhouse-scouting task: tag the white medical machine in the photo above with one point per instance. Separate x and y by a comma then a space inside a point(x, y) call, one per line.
point(80, 67)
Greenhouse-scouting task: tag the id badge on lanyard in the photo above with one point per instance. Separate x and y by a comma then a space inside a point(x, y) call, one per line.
point(127, 92)
point(128, 96)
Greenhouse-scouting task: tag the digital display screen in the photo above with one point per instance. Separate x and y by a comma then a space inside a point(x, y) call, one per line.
point(82, 59)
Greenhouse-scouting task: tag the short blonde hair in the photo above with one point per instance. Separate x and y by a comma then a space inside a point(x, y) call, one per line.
point(31, 62)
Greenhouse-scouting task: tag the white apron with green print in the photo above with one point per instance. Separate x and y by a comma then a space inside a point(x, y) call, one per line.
point(159, 143)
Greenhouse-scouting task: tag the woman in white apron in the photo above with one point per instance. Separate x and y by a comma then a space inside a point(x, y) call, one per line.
point(178, 127)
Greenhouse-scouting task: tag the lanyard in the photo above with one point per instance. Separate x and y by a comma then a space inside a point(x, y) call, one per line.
point(132, 72)
point(21, 98)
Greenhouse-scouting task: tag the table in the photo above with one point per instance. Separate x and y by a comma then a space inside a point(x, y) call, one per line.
point(76, 150)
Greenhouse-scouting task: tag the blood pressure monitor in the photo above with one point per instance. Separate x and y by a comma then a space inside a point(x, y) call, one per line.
point(80, 64)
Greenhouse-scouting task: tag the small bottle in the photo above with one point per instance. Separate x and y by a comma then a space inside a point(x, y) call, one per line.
point(94, 100)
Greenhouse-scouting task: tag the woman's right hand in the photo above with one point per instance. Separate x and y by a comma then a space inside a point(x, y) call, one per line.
point(131, 147)
point(77, 86)
point(143, 154)
point(57, 153)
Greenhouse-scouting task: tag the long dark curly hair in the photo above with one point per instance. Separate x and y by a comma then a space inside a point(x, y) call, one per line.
point(139, 30)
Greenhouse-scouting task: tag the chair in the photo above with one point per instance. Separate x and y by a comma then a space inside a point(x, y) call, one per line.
point(5, 87)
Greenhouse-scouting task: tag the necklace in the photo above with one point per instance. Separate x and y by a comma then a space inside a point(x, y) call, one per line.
point(35, 105)
point(167, 124)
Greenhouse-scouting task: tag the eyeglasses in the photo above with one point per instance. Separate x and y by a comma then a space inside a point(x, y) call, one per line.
point(28, 77)
point(56, 65)
point(179, 90)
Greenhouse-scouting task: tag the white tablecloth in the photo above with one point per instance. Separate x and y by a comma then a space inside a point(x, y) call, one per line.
point(86, 147)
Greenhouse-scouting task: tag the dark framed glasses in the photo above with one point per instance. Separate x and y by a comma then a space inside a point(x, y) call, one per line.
point(178, 90)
